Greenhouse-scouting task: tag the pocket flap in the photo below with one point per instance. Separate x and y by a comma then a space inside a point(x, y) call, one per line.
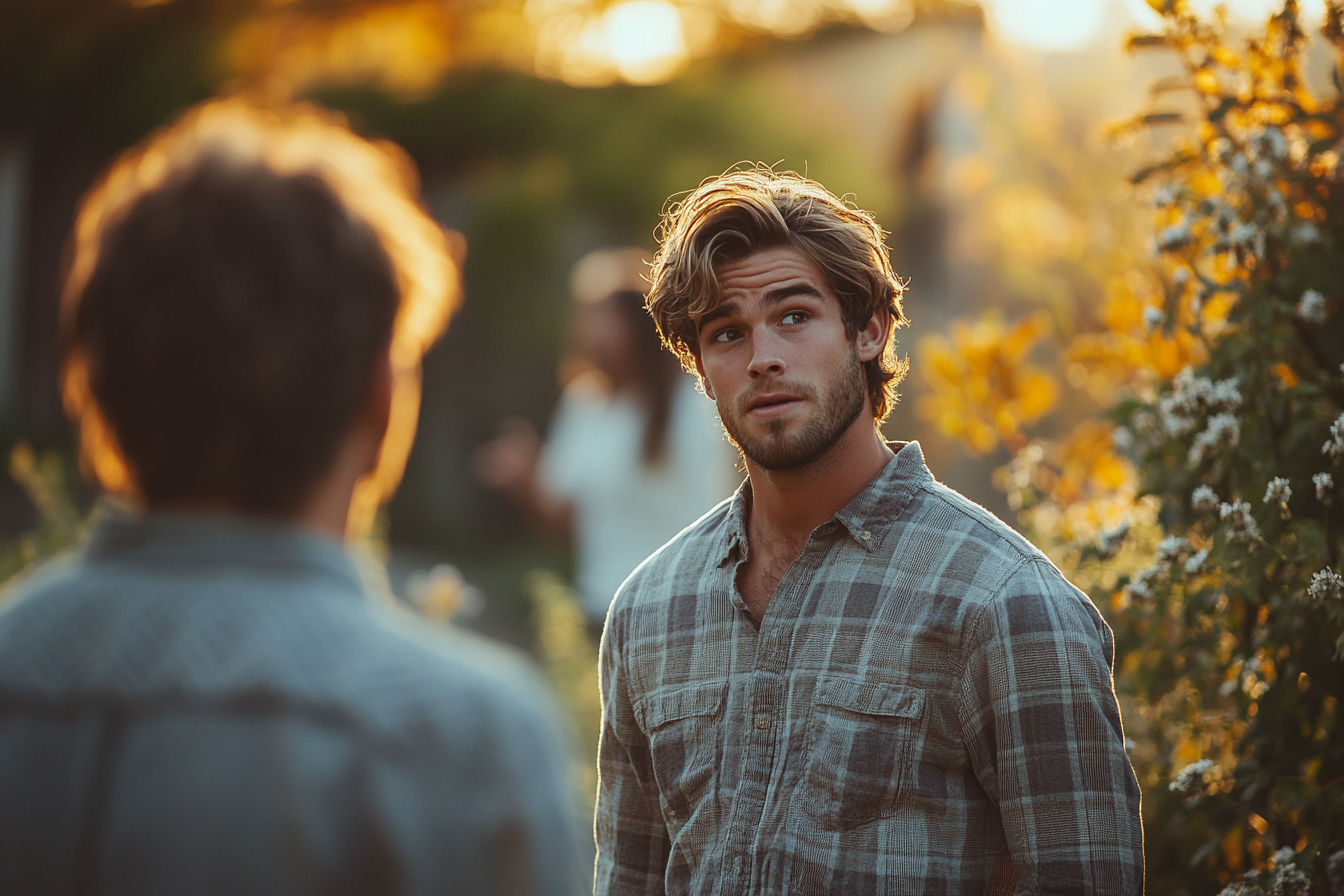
point(696, 700)
point(871, 698)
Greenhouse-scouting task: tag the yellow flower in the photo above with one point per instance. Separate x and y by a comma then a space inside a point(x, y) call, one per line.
point(981, 390)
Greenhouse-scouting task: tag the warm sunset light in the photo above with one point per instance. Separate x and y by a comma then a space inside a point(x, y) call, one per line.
point(1072, 24)
point(644, 39)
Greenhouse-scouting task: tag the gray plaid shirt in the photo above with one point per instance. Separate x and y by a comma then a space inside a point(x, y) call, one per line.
point(927, 707)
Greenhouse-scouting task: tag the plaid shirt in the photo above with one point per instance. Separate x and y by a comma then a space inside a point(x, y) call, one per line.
point(927, 707)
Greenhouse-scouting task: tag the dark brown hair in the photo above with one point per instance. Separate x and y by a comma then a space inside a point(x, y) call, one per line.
point(234, 283)
point(744, 211)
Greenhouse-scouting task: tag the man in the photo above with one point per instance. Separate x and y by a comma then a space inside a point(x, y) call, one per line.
point(846, 679)
point(206, 699)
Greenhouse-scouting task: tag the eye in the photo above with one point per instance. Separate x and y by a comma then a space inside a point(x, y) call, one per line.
point(727, 334)
point(793, 318)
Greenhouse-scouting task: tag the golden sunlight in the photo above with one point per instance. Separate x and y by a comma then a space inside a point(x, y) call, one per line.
point(1074, 24)
point(637, 41)
point(644, 40)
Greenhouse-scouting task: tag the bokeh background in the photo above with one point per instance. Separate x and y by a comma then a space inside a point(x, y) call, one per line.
point(1001, 142)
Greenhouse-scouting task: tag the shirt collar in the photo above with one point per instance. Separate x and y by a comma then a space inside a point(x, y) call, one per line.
point(200, 540)
point(867, 516)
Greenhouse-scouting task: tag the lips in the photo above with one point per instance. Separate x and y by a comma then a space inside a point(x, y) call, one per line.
point(773, 404)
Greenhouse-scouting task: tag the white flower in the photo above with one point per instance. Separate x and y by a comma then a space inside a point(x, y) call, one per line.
point(1326, 583)
point(1190, 780)
point(1289, 880)
point(1165, 195)
point(1152, 317)
point(1130, 744)
point(1180, 275)
point(1169, 549)
point(1305, 234)
point(1243, 234)
point(1223, 431)
point(1324, 483)
point(1240, 524)
point(1203, 499)
point(1196, 561)
point(1109, 541)
point(1224, 395)
point(1311, 307)
point(1284, 855)
point(1270, 142)
point(1175, 424)
point(1335, 447)
point(1278, 491)
point(1334, 872)
point(1173, 237)
point(1263, 168)
point(1140, 588)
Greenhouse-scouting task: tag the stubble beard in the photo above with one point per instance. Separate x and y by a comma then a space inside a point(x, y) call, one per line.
point(841, 402)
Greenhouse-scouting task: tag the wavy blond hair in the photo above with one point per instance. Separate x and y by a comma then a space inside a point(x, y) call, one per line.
point(746, 210)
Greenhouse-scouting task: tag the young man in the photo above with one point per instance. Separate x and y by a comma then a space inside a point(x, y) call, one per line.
point(206, 699)
point(846, 679)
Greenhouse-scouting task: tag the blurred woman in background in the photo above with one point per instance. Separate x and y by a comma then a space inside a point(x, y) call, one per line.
point(635, 452)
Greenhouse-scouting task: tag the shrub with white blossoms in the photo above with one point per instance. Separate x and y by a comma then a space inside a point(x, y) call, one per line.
point(1231, 640)
point(1191, 779)
point(1325, 486)
point(1325, 585)
point(1311, 307)
point(1335, 446)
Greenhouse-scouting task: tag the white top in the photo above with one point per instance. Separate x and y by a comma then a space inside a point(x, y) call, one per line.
point(624, 510)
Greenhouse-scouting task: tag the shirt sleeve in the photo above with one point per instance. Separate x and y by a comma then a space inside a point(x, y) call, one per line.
point(1042, 727)
point(633, 846)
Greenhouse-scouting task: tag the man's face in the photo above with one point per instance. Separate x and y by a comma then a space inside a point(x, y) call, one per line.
point(775, 358)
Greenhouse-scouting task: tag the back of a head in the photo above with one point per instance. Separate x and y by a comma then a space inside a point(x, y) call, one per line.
point(234, 283)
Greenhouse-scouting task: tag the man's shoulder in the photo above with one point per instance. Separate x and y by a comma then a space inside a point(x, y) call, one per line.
point(969, 526)
point(77, 632)
point(1014, 578)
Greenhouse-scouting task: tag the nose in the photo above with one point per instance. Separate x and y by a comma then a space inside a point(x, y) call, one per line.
point(766, 357)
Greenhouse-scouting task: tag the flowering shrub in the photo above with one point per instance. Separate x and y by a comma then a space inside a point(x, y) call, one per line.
point(1215, 549)
point(1232, 635)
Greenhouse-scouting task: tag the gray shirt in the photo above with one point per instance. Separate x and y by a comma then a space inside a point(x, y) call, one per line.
point(199, 704)
point(926, 707)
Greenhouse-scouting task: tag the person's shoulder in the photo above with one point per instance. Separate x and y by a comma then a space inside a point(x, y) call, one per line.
point(968, 526)
point(76, 630)
point(1026, 588)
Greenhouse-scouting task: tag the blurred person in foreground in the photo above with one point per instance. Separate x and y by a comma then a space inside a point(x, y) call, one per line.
point(207, 698)
point(635, 453)
point(847, 678)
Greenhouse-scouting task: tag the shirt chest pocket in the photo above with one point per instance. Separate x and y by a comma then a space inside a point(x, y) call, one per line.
point(861, 750)
point(683, 731)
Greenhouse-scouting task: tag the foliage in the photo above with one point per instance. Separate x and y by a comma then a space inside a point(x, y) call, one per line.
point(569, 658)
point(1206, 518)
point(60, 521)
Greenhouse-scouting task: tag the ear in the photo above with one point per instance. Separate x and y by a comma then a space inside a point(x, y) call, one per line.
point(872, 339)
point(704, 380)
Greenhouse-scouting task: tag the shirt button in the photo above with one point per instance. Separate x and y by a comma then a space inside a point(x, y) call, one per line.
point(865, 535)
point(762, 721)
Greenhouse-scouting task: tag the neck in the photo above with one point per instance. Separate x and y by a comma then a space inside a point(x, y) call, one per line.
point(789, 504)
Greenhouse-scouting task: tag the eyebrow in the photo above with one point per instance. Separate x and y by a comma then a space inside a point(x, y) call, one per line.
point(773, 297)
